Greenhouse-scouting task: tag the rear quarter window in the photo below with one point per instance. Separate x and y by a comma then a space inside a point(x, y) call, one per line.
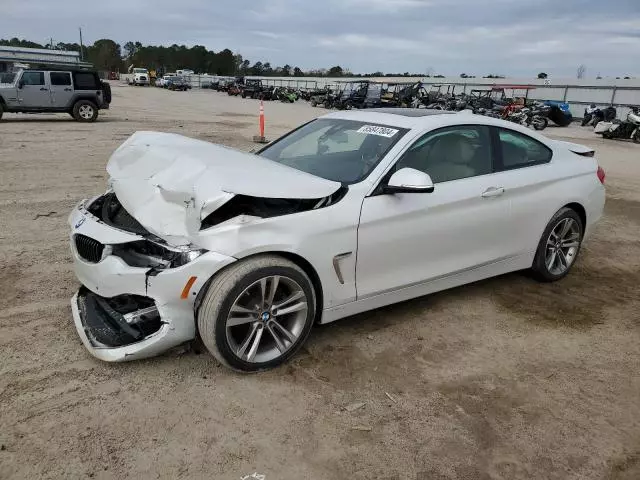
point(60, 78)
point(519, 150)
point(85, 81)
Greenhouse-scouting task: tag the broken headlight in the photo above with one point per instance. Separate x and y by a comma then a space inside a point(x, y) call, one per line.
point(148, 254)
point(185, 257)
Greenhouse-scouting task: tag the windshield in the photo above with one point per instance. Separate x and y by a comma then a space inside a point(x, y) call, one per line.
point(344, 151)
point(139, 70)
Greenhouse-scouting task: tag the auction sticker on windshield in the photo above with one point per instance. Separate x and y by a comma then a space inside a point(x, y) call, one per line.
point(375, 130)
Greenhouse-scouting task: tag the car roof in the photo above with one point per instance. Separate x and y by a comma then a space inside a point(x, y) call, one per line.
point(430, 121)
point(395, 117)
point(411, 112)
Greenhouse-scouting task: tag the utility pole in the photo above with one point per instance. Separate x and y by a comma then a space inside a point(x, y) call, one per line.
point(51, 42)
point(81, 47)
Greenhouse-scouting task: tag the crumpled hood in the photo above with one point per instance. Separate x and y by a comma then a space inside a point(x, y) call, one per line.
point(169, 183)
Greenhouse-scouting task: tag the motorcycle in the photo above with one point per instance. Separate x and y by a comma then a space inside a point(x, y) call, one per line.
point(594, 115)
point(591, 115)
point(528, 117)
point(629, 128)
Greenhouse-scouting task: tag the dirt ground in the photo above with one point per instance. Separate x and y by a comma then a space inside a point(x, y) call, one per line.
point(503, 379)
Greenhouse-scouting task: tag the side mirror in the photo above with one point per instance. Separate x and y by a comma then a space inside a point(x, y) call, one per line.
point(21, 83)
point(409, 180)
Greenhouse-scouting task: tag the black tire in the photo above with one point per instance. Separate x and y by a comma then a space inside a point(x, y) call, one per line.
point(313, 103)
point(586, 120)
point(540, 123)
point(81, 108)
point(222, 292)
point(244, 95)
point(1, 110)
point(539, 268)
point(635, 136)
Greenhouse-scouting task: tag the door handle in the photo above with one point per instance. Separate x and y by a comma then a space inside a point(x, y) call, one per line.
point(493, 192)
point(67, 89)
point(43, 89)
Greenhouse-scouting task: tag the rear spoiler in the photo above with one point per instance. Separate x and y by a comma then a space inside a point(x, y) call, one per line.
point(577, 149)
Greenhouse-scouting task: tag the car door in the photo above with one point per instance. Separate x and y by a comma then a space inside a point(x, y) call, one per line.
point(33, 90)
point(532, 187)
point(61, 89)
point(409, 238)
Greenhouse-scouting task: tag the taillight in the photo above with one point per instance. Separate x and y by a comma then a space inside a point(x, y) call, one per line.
point(600, 174)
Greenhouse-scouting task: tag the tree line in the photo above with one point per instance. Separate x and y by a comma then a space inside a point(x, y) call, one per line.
point(105, 54)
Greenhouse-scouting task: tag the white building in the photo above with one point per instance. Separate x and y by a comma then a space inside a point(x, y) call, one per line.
point(10, 56)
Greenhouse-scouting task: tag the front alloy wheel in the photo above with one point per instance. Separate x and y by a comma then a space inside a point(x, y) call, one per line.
point(257, 313)
point(266, 319)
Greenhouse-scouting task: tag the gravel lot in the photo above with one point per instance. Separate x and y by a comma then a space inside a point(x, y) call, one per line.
point(503, 379)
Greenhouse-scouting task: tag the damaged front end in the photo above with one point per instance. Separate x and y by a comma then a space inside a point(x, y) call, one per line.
point(117, 321)
point(170, 221)
point(147, 252)
point(138, 291)
point(243, 208)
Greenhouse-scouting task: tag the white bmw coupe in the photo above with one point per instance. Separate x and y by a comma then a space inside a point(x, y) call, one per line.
point(347, 213)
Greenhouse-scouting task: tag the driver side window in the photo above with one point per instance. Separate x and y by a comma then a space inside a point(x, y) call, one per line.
point(33, 78)
point(451, 153)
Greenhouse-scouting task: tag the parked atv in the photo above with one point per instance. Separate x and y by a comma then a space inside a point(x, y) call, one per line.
point(253, 88)
point(353, 96)
point(285, 95)
point(324, 98)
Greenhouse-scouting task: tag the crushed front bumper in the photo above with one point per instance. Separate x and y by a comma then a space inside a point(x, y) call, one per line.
point(125, 313)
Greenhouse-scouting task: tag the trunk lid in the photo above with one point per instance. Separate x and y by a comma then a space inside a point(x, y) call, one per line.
point(577, 148)
point(169, 183)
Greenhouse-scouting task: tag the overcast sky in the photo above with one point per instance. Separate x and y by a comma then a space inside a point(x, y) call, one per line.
point(511, 37)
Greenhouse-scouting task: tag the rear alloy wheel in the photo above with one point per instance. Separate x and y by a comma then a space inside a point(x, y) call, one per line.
point(257, 313)
point(85, 111)
point(559, 246)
